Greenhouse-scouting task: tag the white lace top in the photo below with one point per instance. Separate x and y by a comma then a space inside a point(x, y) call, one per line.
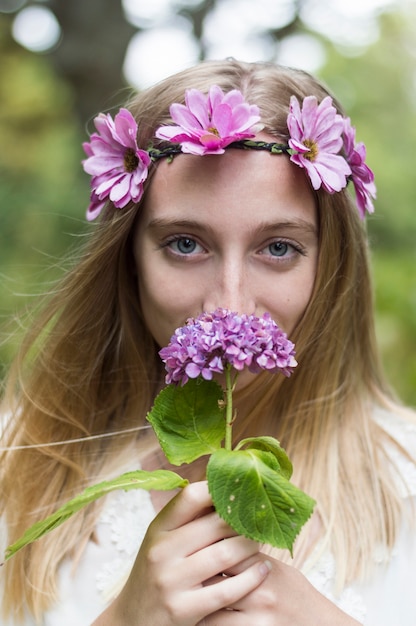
point(387, 600)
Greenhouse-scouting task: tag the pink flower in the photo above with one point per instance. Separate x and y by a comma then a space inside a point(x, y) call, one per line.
point(316, 136)
point(362, 177)
point(95, 207)
point(206, 124)
point(117, 166)
point(206, 344)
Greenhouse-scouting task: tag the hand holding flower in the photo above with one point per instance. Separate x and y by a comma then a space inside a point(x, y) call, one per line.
point(249, 484)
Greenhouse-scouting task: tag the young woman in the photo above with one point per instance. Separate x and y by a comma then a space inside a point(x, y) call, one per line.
point(263, 226)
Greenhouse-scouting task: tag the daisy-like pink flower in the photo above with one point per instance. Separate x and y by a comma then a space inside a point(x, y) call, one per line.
point(117, 165)
point(361, 176)
point(95, 207)
point(206, 124)
point(207, 343)
point(316, 137)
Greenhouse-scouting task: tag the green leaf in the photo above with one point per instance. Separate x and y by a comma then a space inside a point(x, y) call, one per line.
point(255, 498)
point(270, 444)
point(161, 480)
point(189, 421)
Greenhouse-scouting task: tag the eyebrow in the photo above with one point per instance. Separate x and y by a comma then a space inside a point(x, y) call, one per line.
point(295, 224)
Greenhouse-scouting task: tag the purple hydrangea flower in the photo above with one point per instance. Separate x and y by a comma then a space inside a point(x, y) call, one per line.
point(207, 343)
point(206, 124)
point(316, 137)
point(362, 177)
point(117, 165)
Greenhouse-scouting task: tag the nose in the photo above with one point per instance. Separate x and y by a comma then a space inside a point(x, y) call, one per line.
point(231, 290)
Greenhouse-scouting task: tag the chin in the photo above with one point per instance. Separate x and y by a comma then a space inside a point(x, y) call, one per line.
point(244, 378)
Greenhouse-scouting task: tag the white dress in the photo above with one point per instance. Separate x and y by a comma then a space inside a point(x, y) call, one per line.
point(387, 600)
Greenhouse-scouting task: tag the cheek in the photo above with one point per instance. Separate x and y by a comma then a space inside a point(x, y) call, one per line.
point(155, 311)
point(165, 305)
point(292, 306)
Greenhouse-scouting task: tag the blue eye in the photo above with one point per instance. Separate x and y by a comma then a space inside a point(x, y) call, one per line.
point(185, 245)
point(281, 249)
point(278, 248)
point(182, 245)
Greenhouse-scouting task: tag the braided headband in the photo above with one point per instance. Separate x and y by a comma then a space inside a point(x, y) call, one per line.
point(321, 141)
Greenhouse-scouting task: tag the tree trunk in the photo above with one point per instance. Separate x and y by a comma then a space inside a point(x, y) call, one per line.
point(95, 35)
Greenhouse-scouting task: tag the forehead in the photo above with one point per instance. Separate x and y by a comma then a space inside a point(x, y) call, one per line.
point(254, 184)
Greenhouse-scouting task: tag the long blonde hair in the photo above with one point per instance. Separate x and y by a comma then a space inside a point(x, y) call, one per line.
point(89, 367)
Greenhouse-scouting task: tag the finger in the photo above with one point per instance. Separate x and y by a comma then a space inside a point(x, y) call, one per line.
point(213, 580)
point(219, 557)
point(251, 559)
point(229, 590)
point(203, 531)
point(188, 504)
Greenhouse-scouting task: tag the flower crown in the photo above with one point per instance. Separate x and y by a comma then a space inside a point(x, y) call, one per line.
point(321, 141)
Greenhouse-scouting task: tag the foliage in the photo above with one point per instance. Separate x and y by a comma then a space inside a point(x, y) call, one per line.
point(41, 186)
point(44, 194)
point(395, 280)
point(138, 479)
point(250, 485)
point(377, 89)
point(381, 102)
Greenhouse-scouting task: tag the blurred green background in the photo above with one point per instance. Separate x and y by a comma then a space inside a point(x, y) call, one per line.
point(95, 52)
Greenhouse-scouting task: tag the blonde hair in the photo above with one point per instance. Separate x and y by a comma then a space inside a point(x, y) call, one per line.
point(89, 367)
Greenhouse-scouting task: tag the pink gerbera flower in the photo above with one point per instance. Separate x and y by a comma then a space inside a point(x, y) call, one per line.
point(95, 207)
point(362, 177)
point(118, 167)
point(316, 136)
point(206, 124)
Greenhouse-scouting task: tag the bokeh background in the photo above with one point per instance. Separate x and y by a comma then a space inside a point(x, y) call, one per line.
point(62, 61)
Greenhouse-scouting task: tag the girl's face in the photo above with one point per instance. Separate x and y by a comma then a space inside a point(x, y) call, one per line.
point(237, 231)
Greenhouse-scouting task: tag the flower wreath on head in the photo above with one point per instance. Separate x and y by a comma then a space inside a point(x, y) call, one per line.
point(321, 141)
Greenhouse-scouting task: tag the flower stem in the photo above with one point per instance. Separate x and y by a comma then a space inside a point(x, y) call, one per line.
point(229, 387)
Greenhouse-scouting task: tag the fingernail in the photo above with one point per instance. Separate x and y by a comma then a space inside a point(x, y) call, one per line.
point(264, 568)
